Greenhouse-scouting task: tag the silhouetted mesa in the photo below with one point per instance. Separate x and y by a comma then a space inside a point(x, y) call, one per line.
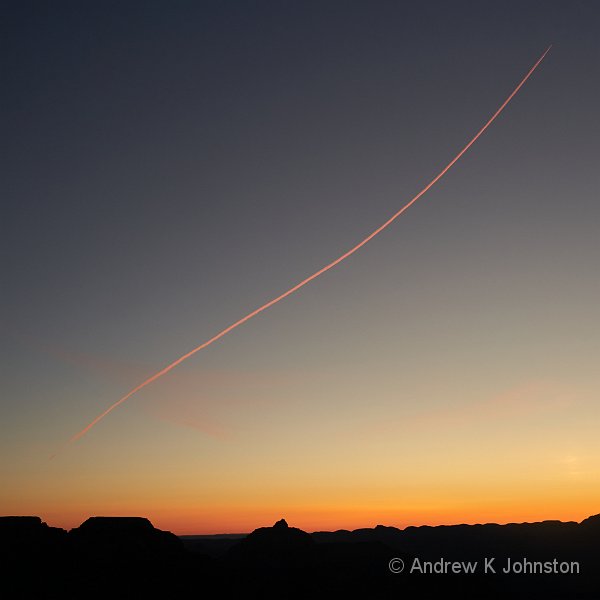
point(29, 534)
point(30, 553)
point(132, 537)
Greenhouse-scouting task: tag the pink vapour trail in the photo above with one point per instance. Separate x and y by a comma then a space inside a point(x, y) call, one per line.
point(326, 268)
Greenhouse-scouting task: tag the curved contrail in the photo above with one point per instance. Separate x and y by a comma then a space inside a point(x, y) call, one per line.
point(326, 268)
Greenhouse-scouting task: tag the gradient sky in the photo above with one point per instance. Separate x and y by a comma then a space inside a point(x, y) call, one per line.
point(168, 167)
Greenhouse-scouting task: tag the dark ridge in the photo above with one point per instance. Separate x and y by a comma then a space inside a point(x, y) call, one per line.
point(116, 524)
point(25, 524)
point(104, 538)
point(127, 557)
point(277, 545)
point(29, 534)
point(593, 521)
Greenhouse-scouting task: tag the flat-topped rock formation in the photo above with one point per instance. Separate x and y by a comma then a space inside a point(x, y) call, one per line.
point(131, 537)
point(29, 534)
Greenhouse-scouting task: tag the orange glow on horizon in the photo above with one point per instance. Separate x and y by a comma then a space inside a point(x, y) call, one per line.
point(329, 518)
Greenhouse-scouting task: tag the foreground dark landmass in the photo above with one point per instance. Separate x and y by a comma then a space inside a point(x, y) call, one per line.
point(126, 557)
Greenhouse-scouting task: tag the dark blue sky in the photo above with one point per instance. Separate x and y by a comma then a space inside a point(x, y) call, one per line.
point(167, 167)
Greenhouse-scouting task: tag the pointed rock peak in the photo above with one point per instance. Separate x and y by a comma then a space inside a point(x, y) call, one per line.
point(281, 524)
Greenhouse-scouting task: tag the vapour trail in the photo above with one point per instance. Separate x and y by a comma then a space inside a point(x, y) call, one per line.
point(326, 268)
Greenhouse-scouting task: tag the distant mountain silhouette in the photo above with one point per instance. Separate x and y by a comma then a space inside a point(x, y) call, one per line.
point(29, 535)
point(127, 557)
point(29, 553)
point(133, 537)
point(276, 545)
point(591, 522)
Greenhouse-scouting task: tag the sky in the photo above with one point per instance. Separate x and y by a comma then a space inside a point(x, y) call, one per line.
point(167, 167)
